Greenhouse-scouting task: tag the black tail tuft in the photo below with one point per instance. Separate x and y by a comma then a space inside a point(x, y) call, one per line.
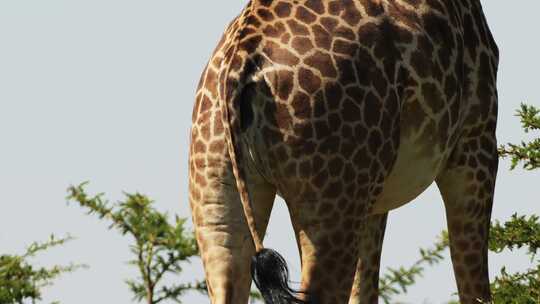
point(271, 275)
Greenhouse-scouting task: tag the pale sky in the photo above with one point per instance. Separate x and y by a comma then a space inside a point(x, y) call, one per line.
point(102, 91)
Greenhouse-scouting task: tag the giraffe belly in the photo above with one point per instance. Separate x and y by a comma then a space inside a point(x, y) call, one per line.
point(416, 167)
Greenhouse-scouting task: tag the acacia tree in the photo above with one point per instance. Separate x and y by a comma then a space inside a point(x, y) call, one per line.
point(20, 281)
point(159, 247)
point(520, 231)
point(525, 153)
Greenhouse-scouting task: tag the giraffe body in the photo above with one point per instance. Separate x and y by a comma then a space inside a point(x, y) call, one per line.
point(347, 109)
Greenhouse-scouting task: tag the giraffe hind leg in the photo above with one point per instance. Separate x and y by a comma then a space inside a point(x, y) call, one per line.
point(467, 187)
point(366, 280)
point(222, 234)
point(329, 241)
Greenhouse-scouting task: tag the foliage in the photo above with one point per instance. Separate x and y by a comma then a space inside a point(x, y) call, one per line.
point(519, 287)
point(520, 231)
point(20, 281)
point(159, 247)
point(527, 153)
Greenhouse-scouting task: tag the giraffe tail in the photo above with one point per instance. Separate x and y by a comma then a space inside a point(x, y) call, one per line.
point(268, 268)
point(271, 275)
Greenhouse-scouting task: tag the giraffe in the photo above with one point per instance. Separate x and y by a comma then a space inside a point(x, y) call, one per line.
point(347, 109)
